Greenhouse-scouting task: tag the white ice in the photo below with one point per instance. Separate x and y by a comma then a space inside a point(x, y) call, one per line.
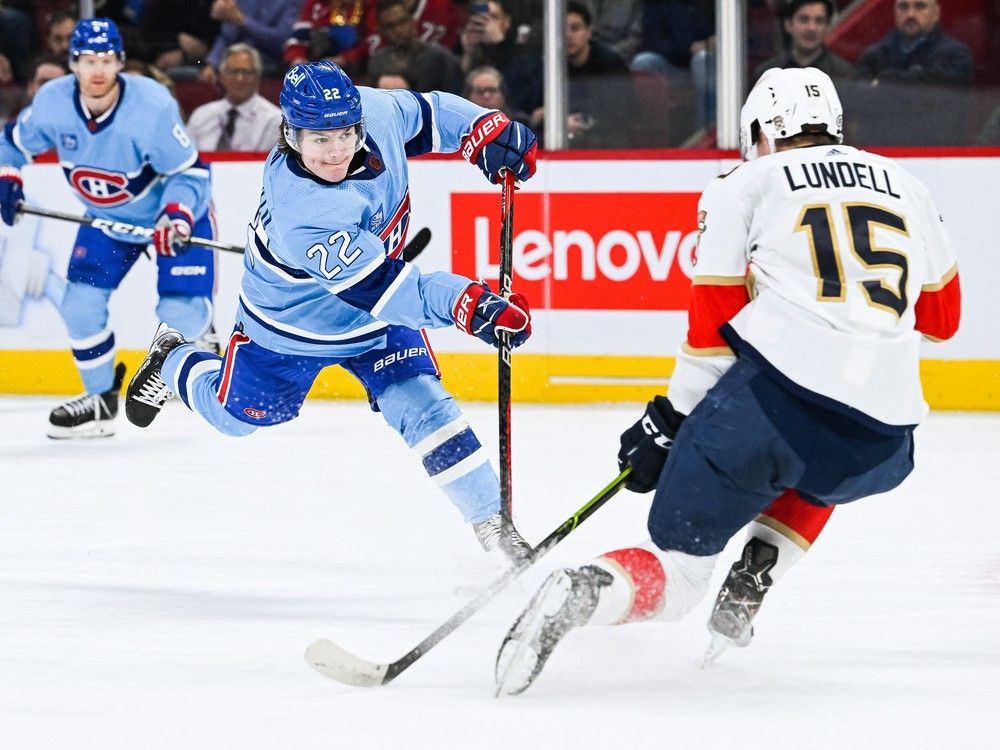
point(158, 589)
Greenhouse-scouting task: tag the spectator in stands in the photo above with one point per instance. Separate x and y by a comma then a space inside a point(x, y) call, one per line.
point(484, 86)
point(326, 29)
point(45, 68)
point(806, 22)
point(242, 120)
point(393, 79)
point(17, 43)
point(618, 25)
point(487, 39)
point(916, 50)
point(430, 66)
point(61, 25)
point(263, 24)
point(678, 43)
point(601, 97)
point(990, 134)
point(178, 34)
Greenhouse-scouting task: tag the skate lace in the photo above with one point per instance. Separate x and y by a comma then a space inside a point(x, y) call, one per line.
point(154, 392)
point(85, 403)
point(489, 531)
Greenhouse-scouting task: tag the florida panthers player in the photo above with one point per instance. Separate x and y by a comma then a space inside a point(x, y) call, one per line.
point(324, 284)
point(819, 267)
point(124, 151)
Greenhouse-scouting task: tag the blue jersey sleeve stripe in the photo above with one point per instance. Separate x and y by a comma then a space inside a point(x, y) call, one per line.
point(451, 452)
point(391, 290)
point(374, 289)
point(423, 141)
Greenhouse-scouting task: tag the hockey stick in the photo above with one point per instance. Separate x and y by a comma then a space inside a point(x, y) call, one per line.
point(337, 663)
point(140, 233)
point(414, 247)
point(503, 356)
point(411, 250)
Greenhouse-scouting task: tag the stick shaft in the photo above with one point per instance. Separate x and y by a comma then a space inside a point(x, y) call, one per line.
point(140, 233)
point(503, 358)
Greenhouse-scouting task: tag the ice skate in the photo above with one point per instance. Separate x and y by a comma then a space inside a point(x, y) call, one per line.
point(90, 415)
point(739, 599)
point(565, 601)
point(210, 342)
point(498, 537)
point(147, 392)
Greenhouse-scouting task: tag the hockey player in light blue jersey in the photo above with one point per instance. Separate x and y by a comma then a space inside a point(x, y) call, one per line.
point(124, 151)
point(324, 285)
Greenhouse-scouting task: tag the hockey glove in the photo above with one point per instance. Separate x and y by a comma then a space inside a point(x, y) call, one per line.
point(11, 194)
point(496, 144)
point(173, 230)
point(646, 444)
point(483, 314)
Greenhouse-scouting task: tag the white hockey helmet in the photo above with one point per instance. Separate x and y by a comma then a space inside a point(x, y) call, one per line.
point(787, 102)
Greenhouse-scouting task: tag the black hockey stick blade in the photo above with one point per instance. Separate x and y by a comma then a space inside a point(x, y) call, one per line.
point(337, 663)
point(414, 247)
point(140, 233)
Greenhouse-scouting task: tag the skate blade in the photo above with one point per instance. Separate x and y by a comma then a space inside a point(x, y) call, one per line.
point(716, 648)
point(75, 433)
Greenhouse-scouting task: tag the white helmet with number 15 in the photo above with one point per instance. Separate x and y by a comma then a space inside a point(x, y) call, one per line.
point(786, 102)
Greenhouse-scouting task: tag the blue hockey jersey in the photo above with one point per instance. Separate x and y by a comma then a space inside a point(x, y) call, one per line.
point(124, 165)
point(322, 274)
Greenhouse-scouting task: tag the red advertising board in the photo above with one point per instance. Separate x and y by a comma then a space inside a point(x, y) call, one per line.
point(584, 251)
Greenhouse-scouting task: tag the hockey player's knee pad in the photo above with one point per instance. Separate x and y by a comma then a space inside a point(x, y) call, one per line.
point(190, 316)
point(84, 309)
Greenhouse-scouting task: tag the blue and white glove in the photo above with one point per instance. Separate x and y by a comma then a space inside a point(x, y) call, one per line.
point(11, 194)
point(481, 313)
point(172, 230)
point(496, 144)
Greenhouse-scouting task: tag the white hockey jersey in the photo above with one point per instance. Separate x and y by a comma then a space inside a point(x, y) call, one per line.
point(836, 245)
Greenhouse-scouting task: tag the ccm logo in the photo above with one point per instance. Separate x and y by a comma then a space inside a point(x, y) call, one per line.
point(481, 134)
point(463, 310)
point(188, 271)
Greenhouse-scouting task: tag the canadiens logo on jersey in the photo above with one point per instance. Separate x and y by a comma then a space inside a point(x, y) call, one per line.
point(101, 187)
point(395, 230)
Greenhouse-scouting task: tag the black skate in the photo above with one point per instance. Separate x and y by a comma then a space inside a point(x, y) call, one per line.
point(741, 595)
point(147, 392)
point(498, 536)
point(565, 601)
point(90, 415)
point(210, 342)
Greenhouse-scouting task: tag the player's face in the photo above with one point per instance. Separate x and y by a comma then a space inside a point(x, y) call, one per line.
point(808, 26)
point(328, 153)
point(916, 17)
point(97, 74)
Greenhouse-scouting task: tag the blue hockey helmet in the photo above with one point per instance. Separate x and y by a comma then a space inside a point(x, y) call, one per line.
point(93, 36)
point(320, 96)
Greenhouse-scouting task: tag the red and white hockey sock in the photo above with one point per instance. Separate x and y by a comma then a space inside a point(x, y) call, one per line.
point(650, 582)
point(791, 524)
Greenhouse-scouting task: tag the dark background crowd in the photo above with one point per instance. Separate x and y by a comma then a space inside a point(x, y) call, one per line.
point(641, 72)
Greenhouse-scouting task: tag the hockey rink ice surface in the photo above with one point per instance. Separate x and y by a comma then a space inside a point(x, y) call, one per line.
point(158, 590)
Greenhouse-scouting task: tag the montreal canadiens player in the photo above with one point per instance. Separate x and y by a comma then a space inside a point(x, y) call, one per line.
point(819, 266)
point(324, 285)
point(124, 151)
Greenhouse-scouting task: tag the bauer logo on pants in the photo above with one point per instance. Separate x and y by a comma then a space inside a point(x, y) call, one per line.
point(584, 251)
